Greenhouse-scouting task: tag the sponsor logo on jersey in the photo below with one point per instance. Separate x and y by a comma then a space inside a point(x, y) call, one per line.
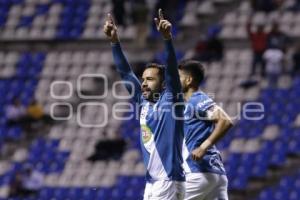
point(146, 133)
point(204, 103)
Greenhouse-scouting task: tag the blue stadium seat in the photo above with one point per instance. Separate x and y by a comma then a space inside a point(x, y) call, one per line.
point(248, 160)
point(5, 179)
point(51, 144)
point(3, 18)
point(286, 182)
point(266, 194)
point(41, 9)
point(75, 33)
point(16, 166)
point(14, 133)
point(132, 193)
point(294, 146)
point(259, 170)
point(138, 181)
point(26, 21)
point(75, 193)
point(261, 162)
point(296, 83)
point(90, 193)
point(123, 180)
point(267, 147)
point(104, 193)
point(62, 34)
point(61, 193)
point(2, 131)
point(45, 193)
point(15, 1)
point(294, 195)
point(239, 182)
point(232, 163)
point(279, 153)
point(281, 194)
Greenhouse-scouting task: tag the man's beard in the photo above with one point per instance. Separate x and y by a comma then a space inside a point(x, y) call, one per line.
point(150, 95)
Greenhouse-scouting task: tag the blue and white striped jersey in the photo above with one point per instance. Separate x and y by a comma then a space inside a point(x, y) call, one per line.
point(161, 134)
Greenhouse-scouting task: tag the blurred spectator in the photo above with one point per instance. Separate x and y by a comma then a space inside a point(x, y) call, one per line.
point(265, 5)
point(199, 50)
point(30, 118)
point(214, 49)
point(277, 38)
point(35, 112)
point(296, 6)
point(15, 185)
point(108, 149)
point(274, 63)
point(258, 41)
point(15, 112)
point(296, 61)
point(26, 183)
point(119, 12)
point(211, 48)
point(140, 19)
point(35, 118)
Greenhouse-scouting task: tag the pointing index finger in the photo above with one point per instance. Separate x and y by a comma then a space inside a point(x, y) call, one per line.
point(160, 14)
point(110, 18)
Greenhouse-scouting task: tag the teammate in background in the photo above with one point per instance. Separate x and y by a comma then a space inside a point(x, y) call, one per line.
point(161, 139)
point(205, 123)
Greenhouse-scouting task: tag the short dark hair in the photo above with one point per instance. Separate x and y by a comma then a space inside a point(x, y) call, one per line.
point(195, 68)
point(161, 69)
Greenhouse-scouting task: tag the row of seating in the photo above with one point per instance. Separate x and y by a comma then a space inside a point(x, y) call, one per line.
point(287, 188)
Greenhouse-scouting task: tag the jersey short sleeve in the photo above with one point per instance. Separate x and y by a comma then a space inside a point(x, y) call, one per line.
point(204, 103)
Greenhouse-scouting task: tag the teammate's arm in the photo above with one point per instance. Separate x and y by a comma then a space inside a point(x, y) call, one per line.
point(122, 65)
point(172, 76)
point(222, 124)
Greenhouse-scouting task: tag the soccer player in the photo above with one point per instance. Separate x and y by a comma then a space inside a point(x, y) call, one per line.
point(161, 133)
point(205, 123)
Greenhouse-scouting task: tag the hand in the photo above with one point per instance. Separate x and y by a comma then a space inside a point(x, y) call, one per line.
point(163, 26)
point(198, 153)
point(110, 29)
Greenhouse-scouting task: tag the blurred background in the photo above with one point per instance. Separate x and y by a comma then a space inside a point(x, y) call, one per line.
point(59, 136)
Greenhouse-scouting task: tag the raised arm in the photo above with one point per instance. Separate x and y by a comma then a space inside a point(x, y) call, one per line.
point(131, 82)
point(172, 77)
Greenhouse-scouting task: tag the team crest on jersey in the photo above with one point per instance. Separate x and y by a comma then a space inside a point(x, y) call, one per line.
point(146, 133)
point(216, 163)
